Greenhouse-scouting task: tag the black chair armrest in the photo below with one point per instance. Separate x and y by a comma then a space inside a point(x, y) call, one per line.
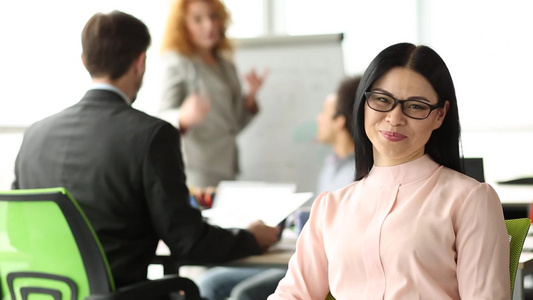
point(153, 289)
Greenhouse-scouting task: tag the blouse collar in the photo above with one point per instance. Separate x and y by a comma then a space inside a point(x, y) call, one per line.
point(400, 174)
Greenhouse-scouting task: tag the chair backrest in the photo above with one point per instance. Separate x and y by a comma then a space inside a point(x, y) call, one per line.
point(330, 297)
point(517, 229)
point(530, 214)
point(48, 247)
point(473, 167)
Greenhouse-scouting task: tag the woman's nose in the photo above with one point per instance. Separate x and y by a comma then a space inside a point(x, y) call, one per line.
point(396, 116)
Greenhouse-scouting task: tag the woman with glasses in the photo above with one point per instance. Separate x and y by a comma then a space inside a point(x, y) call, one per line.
point(411, 226)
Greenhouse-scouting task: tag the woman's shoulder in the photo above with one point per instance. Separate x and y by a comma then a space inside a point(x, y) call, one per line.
point(340, 194)
point(176, 58)
point(458, 177)
point(226, 61)
point(458, 181)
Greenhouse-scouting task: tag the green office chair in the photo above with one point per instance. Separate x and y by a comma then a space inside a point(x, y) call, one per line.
point(48, 250)
point(330, 297)
point(517, 229)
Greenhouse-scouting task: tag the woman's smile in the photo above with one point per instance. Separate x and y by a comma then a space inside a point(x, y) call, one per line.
point(392, 136)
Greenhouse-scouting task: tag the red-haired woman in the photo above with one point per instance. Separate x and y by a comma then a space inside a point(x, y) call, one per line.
point(202, 94)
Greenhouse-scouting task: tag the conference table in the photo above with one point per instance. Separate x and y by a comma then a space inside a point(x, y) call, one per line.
point(276, 257)
point(515, 198)
point(525, 268)
point(514, 195)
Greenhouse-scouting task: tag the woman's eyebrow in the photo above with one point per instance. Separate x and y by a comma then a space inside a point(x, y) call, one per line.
point(421, 98)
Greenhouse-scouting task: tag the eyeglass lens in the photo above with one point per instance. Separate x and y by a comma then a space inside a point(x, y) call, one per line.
point(384, 103)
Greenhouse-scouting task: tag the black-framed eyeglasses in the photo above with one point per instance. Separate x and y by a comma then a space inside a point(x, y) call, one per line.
point(415, 109)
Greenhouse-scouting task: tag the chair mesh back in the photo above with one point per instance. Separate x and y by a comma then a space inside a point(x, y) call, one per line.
point(36, 244)
point(517, 229)
point(47, 246)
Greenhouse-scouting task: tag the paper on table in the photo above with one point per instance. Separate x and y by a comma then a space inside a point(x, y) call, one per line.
point(232, 194)
point(271, 208)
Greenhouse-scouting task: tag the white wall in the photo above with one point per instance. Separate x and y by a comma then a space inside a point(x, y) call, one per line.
point(507, 154)
point(41, 54)
point(10, 144)
point(487, 46)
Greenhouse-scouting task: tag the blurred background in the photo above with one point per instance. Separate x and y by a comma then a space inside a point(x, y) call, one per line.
point(486, 44)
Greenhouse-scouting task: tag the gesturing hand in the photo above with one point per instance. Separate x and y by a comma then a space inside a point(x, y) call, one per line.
point(255, 81)
point(194, 110)
point(254, 84)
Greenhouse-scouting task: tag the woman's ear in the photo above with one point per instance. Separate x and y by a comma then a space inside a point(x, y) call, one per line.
point(441, 114)
point(444, 110)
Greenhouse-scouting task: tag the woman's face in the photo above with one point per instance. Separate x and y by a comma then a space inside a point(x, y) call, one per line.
point(203, 25)
point(395, 137)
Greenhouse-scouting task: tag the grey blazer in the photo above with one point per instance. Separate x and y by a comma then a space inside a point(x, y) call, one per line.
point(210, 149)
point(124, 168)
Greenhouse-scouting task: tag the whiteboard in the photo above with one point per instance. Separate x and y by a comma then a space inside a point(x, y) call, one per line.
point(279, 145)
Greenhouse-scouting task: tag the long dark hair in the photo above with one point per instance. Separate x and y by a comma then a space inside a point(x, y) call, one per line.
point(444, 144)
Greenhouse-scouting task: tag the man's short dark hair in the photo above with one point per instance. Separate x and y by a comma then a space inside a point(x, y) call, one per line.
point(111, 42)
point(346, 99)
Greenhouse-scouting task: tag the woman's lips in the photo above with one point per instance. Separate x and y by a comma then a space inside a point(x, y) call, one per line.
point(393, 136)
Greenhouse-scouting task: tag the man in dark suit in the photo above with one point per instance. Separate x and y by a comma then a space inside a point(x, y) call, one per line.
point(123, 166)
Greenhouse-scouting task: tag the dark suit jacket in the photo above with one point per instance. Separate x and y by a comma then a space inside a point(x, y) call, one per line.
point(125, 169)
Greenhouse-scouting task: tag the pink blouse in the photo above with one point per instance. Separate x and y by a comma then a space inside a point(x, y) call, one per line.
point(413, 231)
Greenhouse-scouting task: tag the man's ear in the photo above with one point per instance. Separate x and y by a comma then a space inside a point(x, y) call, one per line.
point(140, 63)
point(83, 60)
point(340, 122)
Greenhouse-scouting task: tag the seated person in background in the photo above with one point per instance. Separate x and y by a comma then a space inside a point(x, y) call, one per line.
point(123, 166)
point(334, 129)
point(411, 226)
